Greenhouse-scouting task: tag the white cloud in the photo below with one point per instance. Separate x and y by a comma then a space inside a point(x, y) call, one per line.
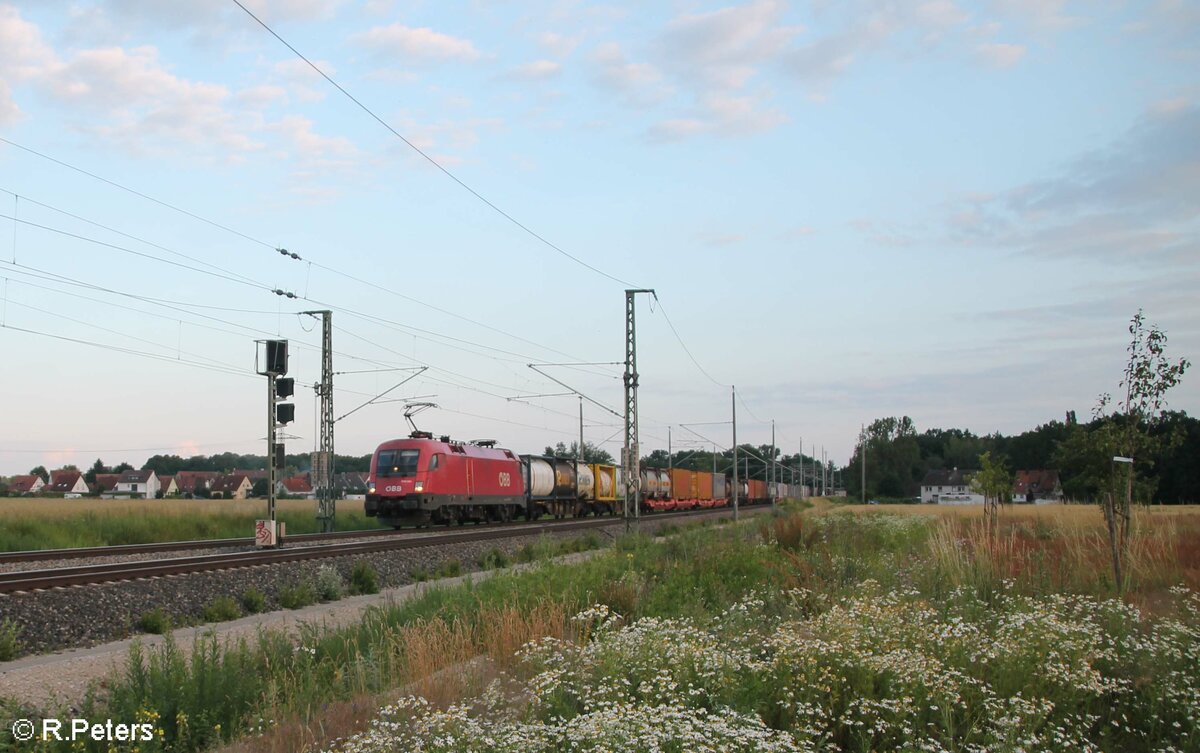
point(1133, 201)
point(725, 45)
point(23, 55)
point(557, 44)
point(1046, 15)
point(941, 14)
point(1000, 55)
point(416, 45)
point(536, 70)
point(720, 114)
point(641, 84)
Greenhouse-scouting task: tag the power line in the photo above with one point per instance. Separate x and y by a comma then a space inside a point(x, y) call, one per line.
point(250, 238)
point(139, 194)
point(230, 367)
point(123, 249)
point(428, 158)
point(128, 235)
point(234, 443)
point(129, 351)
point(684, 345)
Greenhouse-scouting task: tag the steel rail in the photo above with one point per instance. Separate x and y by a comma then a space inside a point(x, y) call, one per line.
point(30, 580)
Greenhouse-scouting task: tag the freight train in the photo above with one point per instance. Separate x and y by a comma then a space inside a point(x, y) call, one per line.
point(422, 480)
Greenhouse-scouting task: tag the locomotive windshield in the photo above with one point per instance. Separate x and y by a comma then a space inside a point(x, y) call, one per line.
point(397, 463)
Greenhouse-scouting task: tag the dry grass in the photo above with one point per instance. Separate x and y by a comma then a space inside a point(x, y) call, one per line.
point(440, 661)
point(1065, 548)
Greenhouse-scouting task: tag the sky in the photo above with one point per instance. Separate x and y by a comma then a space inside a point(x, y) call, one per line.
point(848, 210)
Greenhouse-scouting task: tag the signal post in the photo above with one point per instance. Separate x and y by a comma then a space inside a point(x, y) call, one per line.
point(274, 365)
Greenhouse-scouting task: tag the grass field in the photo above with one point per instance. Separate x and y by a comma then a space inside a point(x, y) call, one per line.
point(36, 523)
point(828, 629)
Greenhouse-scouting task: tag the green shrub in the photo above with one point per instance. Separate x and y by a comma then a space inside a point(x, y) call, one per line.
point(420, 575)
point(297, 595)
point(494, 559)
point(155, 621)
point(363, 578)
point(253, 601)
point(449, 569)
point(330, 585)
point(222, 609)
point(10, 639)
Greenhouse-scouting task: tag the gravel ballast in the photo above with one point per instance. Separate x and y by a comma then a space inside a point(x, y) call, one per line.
point(83, 616)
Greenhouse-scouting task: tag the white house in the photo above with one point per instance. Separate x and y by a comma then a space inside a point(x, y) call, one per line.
point(138, 484)
point(67, 483)
point(949, 488)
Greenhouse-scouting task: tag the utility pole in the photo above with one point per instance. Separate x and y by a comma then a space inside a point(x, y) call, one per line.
point(824, 473)
point(670, 460)
point(580, 453)
point(802, 489)
point(863, 457)
point(771, 483)
point(323, 461)
point(736, 488)
point(633, 476)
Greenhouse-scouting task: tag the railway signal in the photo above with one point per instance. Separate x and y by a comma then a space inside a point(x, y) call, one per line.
point(273, 364)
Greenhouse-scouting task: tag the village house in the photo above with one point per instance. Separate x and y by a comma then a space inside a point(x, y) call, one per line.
point(142, 484)
point(1037, 488)
point(195, 483)
point(67, 483)
point(232, 486)
point(105, 483)
point(951, 487)
point(22, 485)
point(296, 486)
point(167, 486)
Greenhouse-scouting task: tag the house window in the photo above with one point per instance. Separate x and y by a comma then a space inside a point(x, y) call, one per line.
point(133, 487)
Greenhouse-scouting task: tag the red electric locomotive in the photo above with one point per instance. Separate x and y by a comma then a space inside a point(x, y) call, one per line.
point(422, 480)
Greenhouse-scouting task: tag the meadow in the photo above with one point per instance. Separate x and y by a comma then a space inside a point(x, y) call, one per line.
point(818, 630)
point(44, 523)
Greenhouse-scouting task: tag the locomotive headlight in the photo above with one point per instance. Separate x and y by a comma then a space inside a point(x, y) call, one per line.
point(371, 489)
point(419, 487)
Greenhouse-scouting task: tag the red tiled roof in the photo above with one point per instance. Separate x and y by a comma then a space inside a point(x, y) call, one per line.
point(57, 476)
point(106, 482)
point(1036, 482)
point(297, 485)
point(64, 481)
point(187, 480)
point(22, 484)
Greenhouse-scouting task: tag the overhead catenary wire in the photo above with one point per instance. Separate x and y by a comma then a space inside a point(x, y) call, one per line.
point(683, 345)
point(430, 159)
point(252, 239)
point(130, 236)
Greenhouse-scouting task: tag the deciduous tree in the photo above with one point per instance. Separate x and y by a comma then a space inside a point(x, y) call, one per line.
point(1129, 432)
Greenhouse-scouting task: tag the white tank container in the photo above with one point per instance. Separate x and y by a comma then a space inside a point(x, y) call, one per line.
point(586, 480)
point(541, 478)
point(605, 483)
point(664, 484)
point(649, 482)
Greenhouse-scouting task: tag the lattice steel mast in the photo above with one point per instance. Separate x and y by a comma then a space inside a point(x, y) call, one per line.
point(322, 466)
point(631, 459)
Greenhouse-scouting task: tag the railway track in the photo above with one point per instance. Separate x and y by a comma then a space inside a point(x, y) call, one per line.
point(33, 555)
point(32, 580)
